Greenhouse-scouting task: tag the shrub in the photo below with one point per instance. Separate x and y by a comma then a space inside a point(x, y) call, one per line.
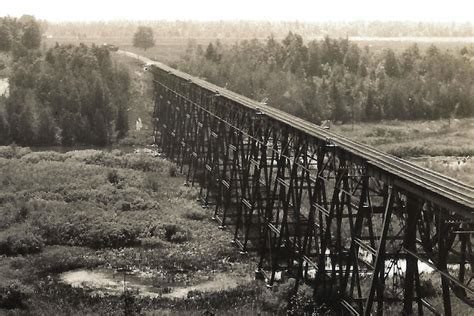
point(19, 240)
point(301, 303)
point(58, 259)
point(188, 192)
point(173, 233)
point(151, 242)
point(7, 152)
point(131, 305)
point(36, 157)
point(151, 183)
point(13, 151)
point(195, 214)
point(427, 288)
point(180, 237)
point(13, 295)
point(172, 170)
point(113, 176)
point(94, 229)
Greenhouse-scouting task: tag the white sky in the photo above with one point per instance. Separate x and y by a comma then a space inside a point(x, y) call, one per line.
point(303, 10)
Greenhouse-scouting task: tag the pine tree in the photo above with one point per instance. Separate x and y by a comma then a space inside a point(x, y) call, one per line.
point(122, 122)
point(370, 106)
point(26, 130)
point(46, 128)
point(4, 129)
point(31, 38)
point(391, 64)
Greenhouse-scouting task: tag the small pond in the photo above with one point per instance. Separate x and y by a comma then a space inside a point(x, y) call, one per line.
point(106, 281)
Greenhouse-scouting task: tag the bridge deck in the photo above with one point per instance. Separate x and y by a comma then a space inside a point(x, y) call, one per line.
point(446, 191)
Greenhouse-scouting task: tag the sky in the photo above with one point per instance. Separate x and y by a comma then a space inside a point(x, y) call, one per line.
point(272, 10)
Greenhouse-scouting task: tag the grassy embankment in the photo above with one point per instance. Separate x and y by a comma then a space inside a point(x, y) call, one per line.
point(443, 146)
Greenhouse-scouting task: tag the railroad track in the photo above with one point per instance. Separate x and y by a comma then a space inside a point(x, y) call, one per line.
point(427, 181)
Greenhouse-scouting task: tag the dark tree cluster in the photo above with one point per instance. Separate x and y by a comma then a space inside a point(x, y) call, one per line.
point(19, 35)
point(69, 95)
point(336, 79)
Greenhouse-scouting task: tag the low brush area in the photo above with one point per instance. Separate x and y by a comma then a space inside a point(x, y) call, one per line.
point(445, 146)
point(124, 212)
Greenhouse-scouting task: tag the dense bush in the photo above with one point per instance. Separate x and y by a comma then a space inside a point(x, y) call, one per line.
point(151, 182)
point(58, 259)
point(38, 156)
point(92, 228)
point(174, 233)
point(195, 214)
point(13, 151)
point(19, 240)
point(13, 295)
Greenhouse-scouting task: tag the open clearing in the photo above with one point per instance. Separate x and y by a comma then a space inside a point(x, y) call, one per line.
point(445, 146)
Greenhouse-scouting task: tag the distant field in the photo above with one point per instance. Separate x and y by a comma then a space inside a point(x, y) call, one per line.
point(445, 146)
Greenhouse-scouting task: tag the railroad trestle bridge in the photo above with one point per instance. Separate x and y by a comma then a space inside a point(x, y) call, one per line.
point(371, 233)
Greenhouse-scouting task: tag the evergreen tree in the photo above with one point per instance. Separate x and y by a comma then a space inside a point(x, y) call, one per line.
point(5, 38)
point(4, 129)
point(31, 38)
point(122, 122)
point(46, 134)
point(143, 38)
point(370, 111)
point(26, 130)
point(391, 64)
point(338, 108)
point(313, 67)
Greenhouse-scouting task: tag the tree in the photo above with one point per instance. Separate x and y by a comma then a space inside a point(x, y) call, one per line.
point(370, 110)
point(122, 122)
point(46, 128)
point(313, 67)
point(143, 38)
point(391, 64)
point(338, 108)
point(31, 37)
point(352, 57)
point(26, 132)
point(4, 129)
point(5, 38)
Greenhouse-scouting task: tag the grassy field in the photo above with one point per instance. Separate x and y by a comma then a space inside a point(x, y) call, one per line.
point(444, 145)
point(89, 209)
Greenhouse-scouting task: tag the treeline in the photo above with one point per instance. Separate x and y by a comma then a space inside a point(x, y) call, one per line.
point(68, 95)
point(261, 29)
point(18, 35)
point(336, 79)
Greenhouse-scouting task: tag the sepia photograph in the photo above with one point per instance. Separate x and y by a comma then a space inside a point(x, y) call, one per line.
point(210, 157)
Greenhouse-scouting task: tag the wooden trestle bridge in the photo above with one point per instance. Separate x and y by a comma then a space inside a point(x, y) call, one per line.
point(371, 233)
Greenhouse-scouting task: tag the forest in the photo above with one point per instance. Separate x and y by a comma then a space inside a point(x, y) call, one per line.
point(65, 95)
point(259, 29)
point(335, 79)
